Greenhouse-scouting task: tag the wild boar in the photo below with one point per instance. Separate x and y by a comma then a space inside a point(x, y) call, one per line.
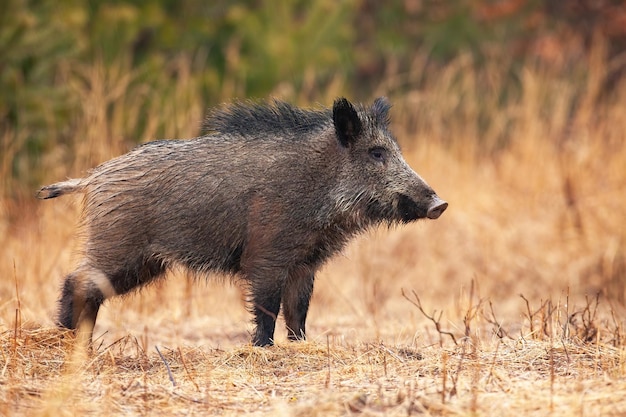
point(268, 194)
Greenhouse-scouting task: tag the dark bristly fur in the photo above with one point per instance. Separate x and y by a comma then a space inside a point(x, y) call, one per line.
point(269, 193)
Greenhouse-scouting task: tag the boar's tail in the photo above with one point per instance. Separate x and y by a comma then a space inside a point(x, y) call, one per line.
point(60, 188)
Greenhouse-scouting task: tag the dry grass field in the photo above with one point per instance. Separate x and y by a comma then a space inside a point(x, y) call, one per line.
point(512, 303)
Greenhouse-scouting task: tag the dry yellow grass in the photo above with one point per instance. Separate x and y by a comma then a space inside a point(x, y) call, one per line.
point(544, 217)
point(42, 376)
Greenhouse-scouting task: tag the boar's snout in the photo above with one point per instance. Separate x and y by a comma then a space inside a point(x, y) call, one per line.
point(430, 206)
point(436, 207)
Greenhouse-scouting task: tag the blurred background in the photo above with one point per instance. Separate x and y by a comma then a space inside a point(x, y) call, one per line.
point(514, 110)
point(148, 69)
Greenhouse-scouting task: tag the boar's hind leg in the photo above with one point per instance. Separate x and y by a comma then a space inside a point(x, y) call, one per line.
point(296, 298)
point(83, 292)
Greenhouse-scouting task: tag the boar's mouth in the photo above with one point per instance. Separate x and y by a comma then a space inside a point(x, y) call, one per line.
point(409, 210)
point(405, 209)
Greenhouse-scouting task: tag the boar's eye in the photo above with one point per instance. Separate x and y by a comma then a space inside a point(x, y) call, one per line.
point(378, 154)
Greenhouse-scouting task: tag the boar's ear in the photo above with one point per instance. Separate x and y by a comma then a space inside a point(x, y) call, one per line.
point(347, 122)
point(380, 109)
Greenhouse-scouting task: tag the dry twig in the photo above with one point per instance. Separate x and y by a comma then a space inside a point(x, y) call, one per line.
point(436, 321)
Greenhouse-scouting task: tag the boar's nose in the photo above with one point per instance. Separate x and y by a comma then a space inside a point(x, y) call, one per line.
point(437, 206)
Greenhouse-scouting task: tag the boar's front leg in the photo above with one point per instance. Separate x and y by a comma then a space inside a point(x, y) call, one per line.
point(266, 295)
point(296, 298)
